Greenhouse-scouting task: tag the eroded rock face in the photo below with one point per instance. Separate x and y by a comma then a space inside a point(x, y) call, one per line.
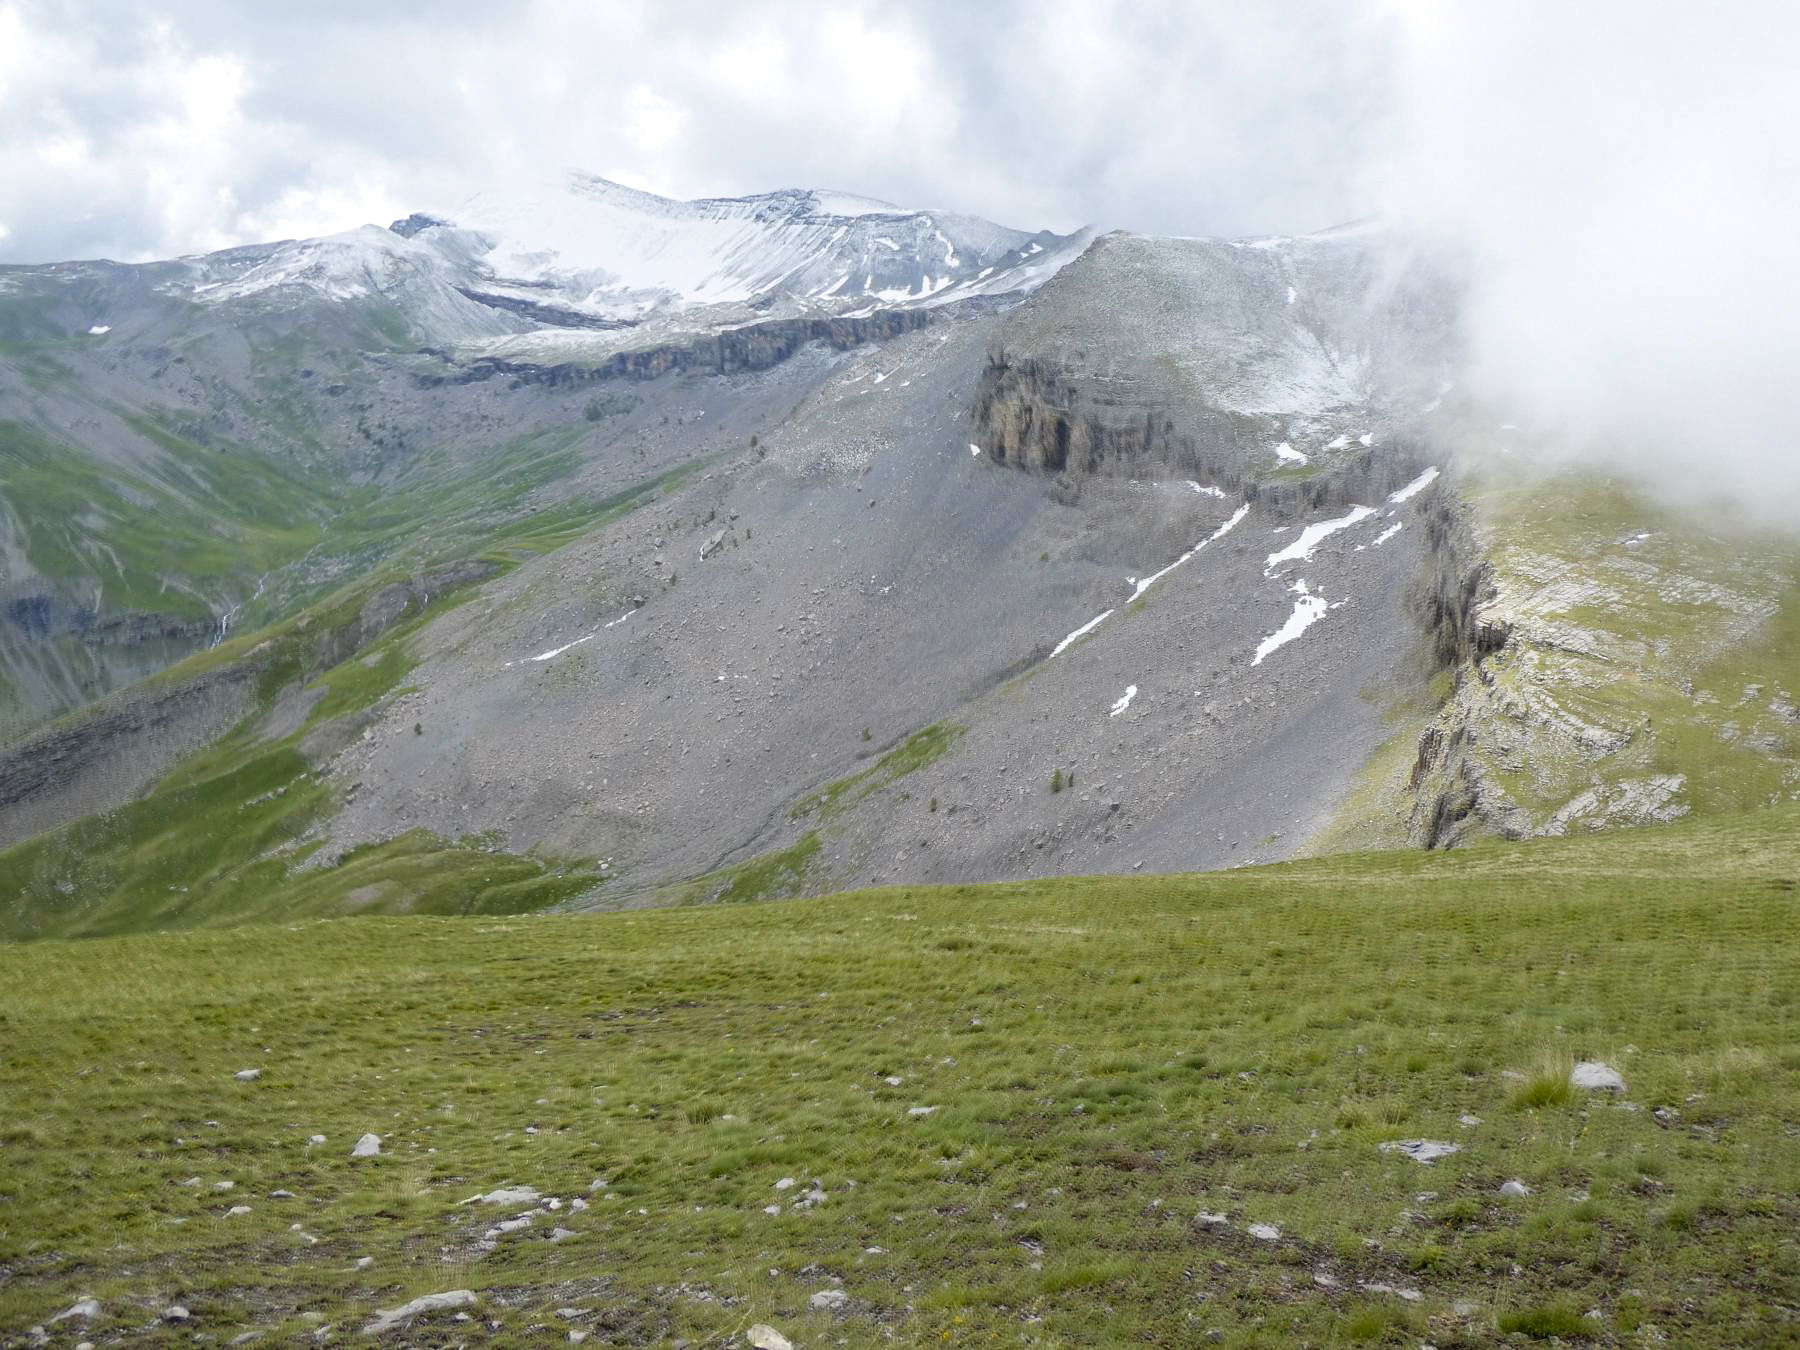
point(1038, 414)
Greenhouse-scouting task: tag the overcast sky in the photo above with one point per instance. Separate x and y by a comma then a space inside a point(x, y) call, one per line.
point(1624, 175)
point(136, 130)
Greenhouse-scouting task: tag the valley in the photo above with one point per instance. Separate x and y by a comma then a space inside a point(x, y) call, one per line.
point(691, 772)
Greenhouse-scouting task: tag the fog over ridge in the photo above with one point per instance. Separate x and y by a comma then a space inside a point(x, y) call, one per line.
point(1621, 181)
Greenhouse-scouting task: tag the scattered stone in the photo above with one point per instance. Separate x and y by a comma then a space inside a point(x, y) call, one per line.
point(191, 1181)
point(920, 1110)
point(175, 1313)
point(1596, 1077)
point(1666, 1116)
point(365, 1262)
point(1375, 1287)
point(84, 1308)
point(1468, 1122)
point(712, 545)
point(561, 1234)
point(313, 1140)
point(1212, 1220)
point(786, 1183)
point(828, 1300)
point(1265, 1232)
point(577, 1337)
point(1421, 1150)
point(282, 1195)
point(1465, 1307)
point(247, 1075)
point(506, 1195)
point(367, 1147)
point(765, 1337)
point(236, 1210)
point(223, 1185)
point(1514, 1188)
point(893, 1080)
point(771, 1209)
point(388, 1319)
point(577, 1205)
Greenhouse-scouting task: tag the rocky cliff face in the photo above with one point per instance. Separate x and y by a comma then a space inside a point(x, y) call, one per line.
point(1047, 415)
point(749, 347)
point(1445, 783)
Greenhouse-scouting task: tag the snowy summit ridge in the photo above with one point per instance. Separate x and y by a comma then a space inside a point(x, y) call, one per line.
point(592, 254)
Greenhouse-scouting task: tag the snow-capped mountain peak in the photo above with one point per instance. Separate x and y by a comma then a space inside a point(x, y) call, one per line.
point(592, 254)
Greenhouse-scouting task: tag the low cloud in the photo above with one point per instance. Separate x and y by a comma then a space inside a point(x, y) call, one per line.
point(214, 123)
point(1620, 178)
point(1624, 184)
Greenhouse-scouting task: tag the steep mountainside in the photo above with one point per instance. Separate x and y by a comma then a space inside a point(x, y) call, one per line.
point(633, 566)
point(199, 445)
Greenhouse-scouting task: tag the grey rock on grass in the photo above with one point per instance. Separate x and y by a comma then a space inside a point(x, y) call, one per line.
point(388, 1319)
point(1596, 1077)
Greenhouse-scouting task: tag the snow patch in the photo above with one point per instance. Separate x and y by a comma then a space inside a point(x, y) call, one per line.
point(555, 652)
point(1308, 610)
point(1206, 491)
point(1367, 438)
point(1341, 443)
point(975, 450)
point(1387, 534)
point(99, 328)
point(1125, 702)
point(1417, 485)
point(1081, 632)
point(1293, 295)
point(1145, 583)
point(1313, 535)
point(1286, 452)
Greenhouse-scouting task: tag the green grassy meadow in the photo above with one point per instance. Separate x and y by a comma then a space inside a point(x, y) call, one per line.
point(1044, 1113)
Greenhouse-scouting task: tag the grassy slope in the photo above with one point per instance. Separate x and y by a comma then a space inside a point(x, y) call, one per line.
point(1107, 1058)
point(204, 528)
point(1679, 650)
point(218, 840)
point(221, 839)
point(1684, 642)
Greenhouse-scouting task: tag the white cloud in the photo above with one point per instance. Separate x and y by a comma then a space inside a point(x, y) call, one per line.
point(218, 119)
point(1626, 184)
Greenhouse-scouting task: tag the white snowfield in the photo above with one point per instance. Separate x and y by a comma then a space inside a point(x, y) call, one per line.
point(1125, 702)
point(1301, 550)
point(1308, 610)
point(599, 250)
point(1288, 454)
point(1388, 533)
